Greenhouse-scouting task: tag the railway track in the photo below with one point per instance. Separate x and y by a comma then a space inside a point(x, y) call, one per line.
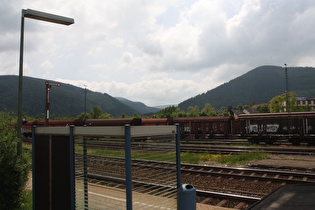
point(247, 173)
point(222, 186)
point(241, 149)
point(200, 148)
point(204, 196)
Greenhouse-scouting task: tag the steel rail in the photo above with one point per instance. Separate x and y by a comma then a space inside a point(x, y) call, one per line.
point(203, 193)
point(235, 172)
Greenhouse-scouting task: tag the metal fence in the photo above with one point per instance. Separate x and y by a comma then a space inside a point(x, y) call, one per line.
point(119, 168)
point(123, 167)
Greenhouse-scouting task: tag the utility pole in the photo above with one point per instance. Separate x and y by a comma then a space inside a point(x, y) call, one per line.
point(48, 86)
point(85, 104)
point(287, 105)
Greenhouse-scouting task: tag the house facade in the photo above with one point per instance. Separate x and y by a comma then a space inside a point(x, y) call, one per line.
point(307, 103)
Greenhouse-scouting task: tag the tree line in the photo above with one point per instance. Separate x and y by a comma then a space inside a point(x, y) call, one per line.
point(168, 112)
point(276, 104)
point(280, 103)
point(14, 168)
point(286, 102)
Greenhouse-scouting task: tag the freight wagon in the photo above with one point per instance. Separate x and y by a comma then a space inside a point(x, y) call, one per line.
point(296, 127)
point(207, 127)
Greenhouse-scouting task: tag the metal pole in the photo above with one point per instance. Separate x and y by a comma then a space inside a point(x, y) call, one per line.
point(50, 170)
point(85, 173)
point(47, 104)
point(33, 167)
point(20, 87)
point(72, 172)
point(288, 105)
point(287, 89)
point(33, 14)
point(128, 167)
point(178, 161)
point(85, 105)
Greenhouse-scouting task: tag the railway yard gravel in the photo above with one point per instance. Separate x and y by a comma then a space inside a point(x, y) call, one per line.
point(274, 162)
point(287, 161)
point(297, 162)
point(305, 163)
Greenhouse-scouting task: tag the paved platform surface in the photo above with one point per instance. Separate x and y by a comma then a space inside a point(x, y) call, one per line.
point(116, 199)
point(291, 197)
point(103, 197)
point(287, 161)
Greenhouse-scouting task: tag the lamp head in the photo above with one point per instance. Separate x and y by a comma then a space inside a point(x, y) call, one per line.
point(33, 14)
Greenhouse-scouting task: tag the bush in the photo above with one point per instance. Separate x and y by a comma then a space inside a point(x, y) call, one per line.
point(14, 169)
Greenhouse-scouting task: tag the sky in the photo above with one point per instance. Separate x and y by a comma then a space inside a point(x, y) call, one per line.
point(159, 52)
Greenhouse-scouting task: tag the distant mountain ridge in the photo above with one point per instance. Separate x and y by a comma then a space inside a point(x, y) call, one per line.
point(258, 85)
point(66, 100)
point(139, 106)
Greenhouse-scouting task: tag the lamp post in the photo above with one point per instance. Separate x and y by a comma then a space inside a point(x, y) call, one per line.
point(288, 105)
point(85, 104)
point(33, 14)
point(286, 88)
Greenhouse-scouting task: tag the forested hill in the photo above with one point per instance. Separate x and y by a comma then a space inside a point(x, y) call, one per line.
point(66, 100)
point(141, 107)
point(259, 85)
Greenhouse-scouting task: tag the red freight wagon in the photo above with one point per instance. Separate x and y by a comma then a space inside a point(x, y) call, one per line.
point(296, 127)
point(157, 121)
point(205, 127)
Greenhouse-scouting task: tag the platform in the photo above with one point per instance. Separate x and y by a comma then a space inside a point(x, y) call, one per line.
point(104, 197)
point(290, 197)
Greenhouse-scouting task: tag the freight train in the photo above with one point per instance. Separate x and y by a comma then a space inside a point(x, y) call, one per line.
point(295, 127)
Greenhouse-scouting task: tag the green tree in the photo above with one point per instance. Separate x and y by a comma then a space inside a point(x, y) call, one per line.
point(106, 116)
point(170, 111)
point(278, 103)
point(83, 116)
point(193, 111)
point(96, 112)
point(135, 115)
point(263, 109)
point(181, 114)
point(208, 110)
point(224, 111)
point(14, 168)
point(123, 115)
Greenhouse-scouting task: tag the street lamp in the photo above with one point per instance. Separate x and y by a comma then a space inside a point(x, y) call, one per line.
point(286, 89)
point(33, 14)
point(85, 104)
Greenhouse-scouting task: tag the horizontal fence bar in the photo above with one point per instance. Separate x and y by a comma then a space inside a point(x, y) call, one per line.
point(52, 130)
point(107, 130)
point(152, 130)
point(99, 130)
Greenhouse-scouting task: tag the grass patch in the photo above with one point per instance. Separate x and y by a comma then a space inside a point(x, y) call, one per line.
point(237, 159)
point(26, 200)
point(192, 158)
point(105, 152)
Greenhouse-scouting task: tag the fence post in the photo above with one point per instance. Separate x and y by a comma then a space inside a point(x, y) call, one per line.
point(128, 167)
point(186, 194)
point(72, 173)
point(85, 172)
point(178, 161)
point(33, 168)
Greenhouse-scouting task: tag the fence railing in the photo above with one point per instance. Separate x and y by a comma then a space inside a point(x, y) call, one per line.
point(120, 167)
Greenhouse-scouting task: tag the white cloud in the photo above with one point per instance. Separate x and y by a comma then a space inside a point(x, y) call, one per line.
point(157, 51)
point(156, 89)
point(47, 65)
